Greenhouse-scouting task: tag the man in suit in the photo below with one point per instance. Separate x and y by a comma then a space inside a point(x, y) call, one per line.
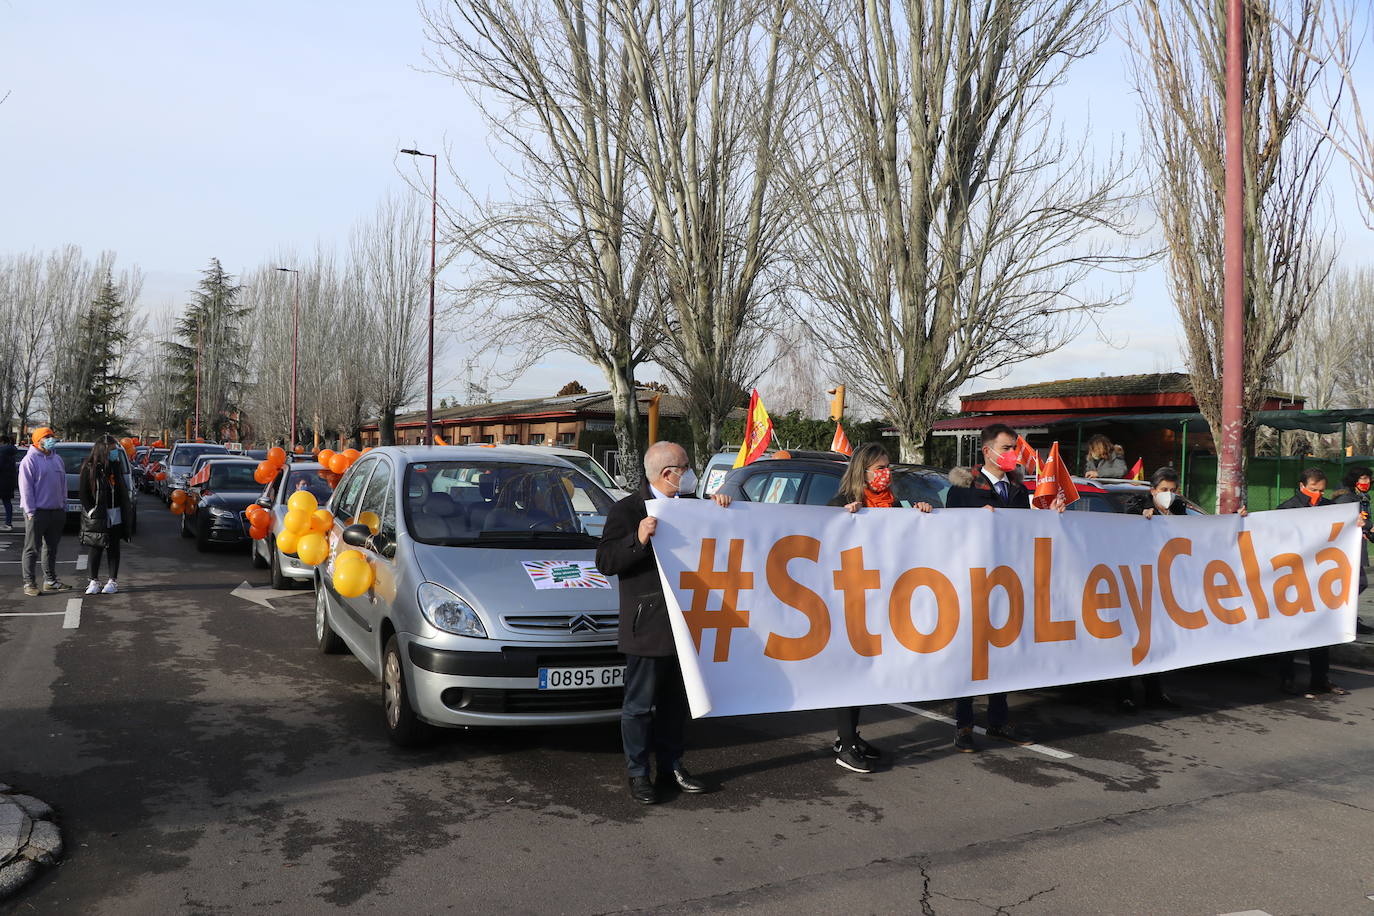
point(998, 484)
point(654, 714)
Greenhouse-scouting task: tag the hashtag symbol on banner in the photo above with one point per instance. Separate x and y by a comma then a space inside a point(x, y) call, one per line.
point(730, 581)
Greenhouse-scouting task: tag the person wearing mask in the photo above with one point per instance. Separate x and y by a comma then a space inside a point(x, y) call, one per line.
point(9, 478)
point(1102, 460)
point(998, 484)
point(1311, 492)
point(653, 717)
point(43, 498)
point(867, 484)
point(105, 508)
point(1163, 499)
point(1355, 489)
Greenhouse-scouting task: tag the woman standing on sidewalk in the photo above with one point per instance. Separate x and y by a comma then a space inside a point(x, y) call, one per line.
point(867, 484)
point(104, 507)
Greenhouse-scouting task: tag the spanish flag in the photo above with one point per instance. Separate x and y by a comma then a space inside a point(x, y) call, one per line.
point(1137, 470)
point(841, 442)
point(758, 431)
point(1054, 479)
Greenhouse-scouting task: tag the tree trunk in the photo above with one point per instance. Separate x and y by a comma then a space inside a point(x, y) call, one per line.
point(623, 399)
point(387, 426)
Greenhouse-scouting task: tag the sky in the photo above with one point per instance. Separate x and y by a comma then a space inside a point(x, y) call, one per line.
point(174, 132)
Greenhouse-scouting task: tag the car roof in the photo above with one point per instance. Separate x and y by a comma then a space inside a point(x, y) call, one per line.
point(776, 464)
point(302, 465)
point(417, 454)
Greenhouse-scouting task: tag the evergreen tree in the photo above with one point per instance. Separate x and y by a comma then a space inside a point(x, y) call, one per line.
point(210, 333)
point(90, 370)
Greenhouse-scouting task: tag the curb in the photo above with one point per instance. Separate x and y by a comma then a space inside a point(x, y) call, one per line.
point(28, 838)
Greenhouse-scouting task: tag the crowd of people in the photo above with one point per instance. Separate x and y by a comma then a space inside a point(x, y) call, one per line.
point(655, 710)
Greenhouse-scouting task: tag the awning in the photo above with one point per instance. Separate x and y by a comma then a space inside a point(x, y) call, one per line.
point(1315, 421)
point(1017, 421)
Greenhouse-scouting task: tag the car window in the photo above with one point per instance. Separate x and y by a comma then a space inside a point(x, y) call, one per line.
point(821, 489)
point(912, 487)
point(309, 479)
point(1095, 502)
point(184, 455)
point(782, 487)
point(227, 476)
point(72, 458)
point(374, 495)
point(388, 513)
point(591, 469)
point(346, 497)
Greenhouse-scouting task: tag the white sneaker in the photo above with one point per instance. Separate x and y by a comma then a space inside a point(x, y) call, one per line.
point(110, 588)
point(93, 588)
point(6, 527)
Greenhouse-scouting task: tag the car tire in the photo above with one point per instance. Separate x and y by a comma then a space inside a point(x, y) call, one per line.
point(326, 640)
point(202, 533)
point(256, 556)
point(279, 581)
point(133, 522)
point(403, 726)
point(186, 531)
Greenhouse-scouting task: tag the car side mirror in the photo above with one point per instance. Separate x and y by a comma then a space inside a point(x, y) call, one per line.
point(357, 535)
point(264, 502)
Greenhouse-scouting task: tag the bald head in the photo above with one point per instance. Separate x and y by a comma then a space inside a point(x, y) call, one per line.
point(664, 463)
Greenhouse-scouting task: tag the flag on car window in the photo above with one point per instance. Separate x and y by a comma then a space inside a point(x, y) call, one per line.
point(1054, 479)
point(1137, 470)
point(841, 442)
point(758, 431)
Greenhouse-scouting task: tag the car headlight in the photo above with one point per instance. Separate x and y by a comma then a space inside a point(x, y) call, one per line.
point(221, 513)
point(446, 611)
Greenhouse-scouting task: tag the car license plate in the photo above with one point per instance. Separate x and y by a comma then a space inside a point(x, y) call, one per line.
point(578, 678)
point(73, 505)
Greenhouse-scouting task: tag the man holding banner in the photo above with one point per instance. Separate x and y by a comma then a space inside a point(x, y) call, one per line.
point(654, 713)
point(997, 485)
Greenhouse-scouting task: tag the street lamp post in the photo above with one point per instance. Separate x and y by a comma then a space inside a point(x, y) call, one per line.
point(295, 336)
point(433, 244)
point(196, 435)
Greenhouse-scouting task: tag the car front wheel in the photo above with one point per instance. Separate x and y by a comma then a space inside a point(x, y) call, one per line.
point(403, 727)
point(326, 639)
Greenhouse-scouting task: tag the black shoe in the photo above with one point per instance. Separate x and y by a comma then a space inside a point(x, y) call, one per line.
point(963, 740)
point(852, 757)
point(1162, 701)
point(866, 750)
point(1362, 628)
point(1328, 687)
point(642, 790)
point(1127, 706)
point(1009, 734)
point(678, 776)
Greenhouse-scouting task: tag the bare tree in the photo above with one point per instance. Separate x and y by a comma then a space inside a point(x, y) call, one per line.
point(716, 84)
point(564, 265)
point(1179, 60)
point(947, 229)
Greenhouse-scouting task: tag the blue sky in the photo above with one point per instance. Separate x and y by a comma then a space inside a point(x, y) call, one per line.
point(173, 132)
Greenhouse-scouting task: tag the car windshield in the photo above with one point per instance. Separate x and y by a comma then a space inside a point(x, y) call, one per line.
point(503, 504)
point(912, 487)
point(591, 469)
point(73, 456)
point(186, 455)
point(312, 481)
point(157, 454)
point(233, 476)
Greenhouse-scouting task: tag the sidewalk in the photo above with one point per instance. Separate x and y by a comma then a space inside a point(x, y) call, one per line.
point(28, 838)
point(1360, 653)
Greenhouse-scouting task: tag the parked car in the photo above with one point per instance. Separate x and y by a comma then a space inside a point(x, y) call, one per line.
point(179, 462)
point(72, 455)
point(287, 569)
point(154, 463)
point(223, 487)
point(719, 465)
point(814, 481)
point(1125, 493)
point(585, 463)
point(486, 607)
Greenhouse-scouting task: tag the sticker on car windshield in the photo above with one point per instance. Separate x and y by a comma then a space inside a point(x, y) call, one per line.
point(564, 574)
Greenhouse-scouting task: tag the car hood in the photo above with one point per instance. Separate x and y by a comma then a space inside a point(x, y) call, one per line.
point(230, 499)
point(496, 582)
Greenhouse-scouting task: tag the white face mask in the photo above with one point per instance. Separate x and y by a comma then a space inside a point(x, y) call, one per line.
point(47, 443)
point(688, 482)
point(1164, 499)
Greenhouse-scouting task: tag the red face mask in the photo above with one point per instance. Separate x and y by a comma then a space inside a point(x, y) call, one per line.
point(879, 479)
point(1362, 486)
point(1313, 496)
point(1006, 461)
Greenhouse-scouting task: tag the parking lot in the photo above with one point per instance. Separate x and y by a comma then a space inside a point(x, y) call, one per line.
point(204, 758)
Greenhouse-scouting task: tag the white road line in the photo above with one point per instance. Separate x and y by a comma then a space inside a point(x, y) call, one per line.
point(17, 562)
point(81, 562)
point(37, 614)
point(72, 620)
point(1038, 748)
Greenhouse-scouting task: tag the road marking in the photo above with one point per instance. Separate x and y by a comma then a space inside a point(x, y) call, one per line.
point(81, 562)
point(1247, 913)
point(262, 595)
point(36, 614)
point(978, 729)
point(17, 562)
point(72, 619)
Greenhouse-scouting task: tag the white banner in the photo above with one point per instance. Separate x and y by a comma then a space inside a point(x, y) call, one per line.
point(805, 607)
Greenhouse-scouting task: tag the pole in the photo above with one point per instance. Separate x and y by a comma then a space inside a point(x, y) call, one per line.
point(295, 365)
point(1231, 479)
point(1183, 462)
point(197, 432)
point(433, 245)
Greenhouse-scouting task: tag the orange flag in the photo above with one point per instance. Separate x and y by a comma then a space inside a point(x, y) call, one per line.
point(1054, 479)
point(758, 431)
point(1026, 456)
point(1137, 470)
point(841, 442)
point(439, 440)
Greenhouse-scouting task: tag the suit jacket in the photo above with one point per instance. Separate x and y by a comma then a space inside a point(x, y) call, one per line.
point(982, 493)
point(644, 626)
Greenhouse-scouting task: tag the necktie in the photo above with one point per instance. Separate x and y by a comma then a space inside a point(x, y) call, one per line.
point(1002, 492)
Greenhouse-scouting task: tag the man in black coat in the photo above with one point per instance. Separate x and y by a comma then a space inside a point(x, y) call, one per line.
point(998, 484)
point(1311, 492)
point(654, 714)
point(1355, 489)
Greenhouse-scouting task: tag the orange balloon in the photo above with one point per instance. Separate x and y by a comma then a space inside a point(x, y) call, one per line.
point(178, 496)
point(353, 454)
point(264, 473)
point(325, 456)
point(276, 455)
point(161, 475)
point(300, 450)
point(338, 463)
point(257, 532)
point(178, 508)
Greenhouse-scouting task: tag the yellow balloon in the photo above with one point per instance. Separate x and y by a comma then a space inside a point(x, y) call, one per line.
point(352, 579)
point(287, 541)
point(304, 501)
point(370, 519)
point(296, 521)
point(347, 557)
point(322, 521)
point(312, 548)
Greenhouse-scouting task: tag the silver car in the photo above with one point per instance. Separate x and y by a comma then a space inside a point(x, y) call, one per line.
point(287, 569)
point(486, 608)
point(179, 463)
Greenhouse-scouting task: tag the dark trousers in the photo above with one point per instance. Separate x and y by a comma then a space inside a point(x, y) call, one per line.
point(7, 497)
point(997, 711)
point(1154, 688)
point(654, 715)
point(847, 723)
point(43, 531)
point(95, 555)
point(1318, 666)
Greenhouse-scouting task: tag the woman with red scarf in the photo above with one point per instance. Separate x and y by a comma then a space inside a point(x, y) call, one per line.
point(867, 484)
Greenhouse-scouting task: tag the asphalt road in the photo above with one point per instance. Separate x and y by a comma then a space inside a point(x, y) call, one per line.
point(203, 758)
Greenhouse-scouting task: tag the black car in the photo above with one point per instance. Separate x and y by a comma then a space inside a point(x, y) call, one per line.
point(815, 481)
point(222, 492)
